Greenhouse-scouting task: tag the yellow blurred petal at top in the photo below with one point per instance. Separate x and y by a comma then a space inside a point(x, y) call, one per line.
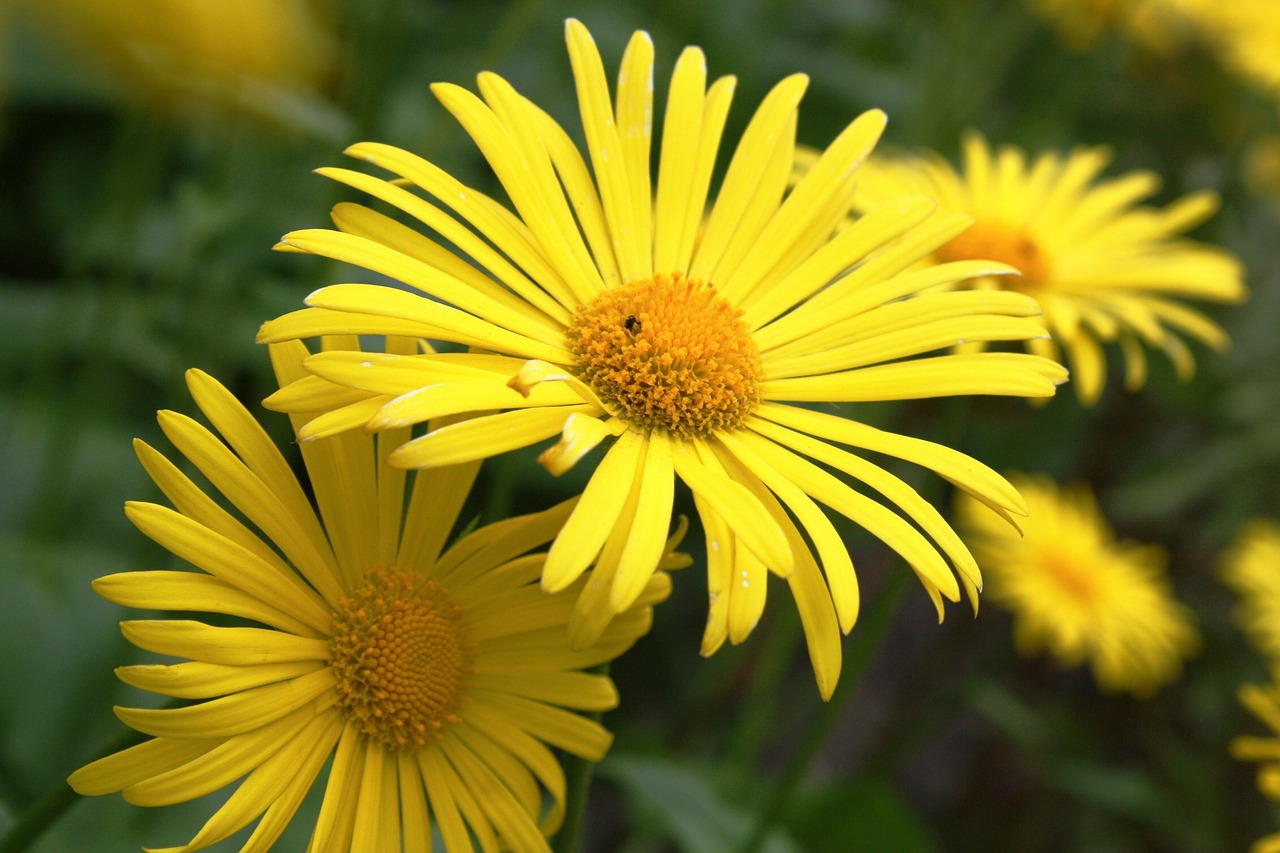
point(685, 316)
point(275, 60)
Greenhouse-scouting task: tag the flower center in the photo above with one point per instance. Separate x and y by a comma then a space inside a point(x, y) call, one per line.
point(399, 658)
point(669, 353)
point(1073, 578)
point(997, 242)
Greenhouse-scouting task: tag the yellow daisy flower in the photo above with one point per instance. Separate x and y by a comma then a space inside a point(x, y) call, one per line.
point(1264, 703)
point(1252, 569)
point(435, 677)
point(1154, 24)
point(1103, 268)
point(607, 309)
point(259, 55)
point(1246, 33)
point(1077, 592)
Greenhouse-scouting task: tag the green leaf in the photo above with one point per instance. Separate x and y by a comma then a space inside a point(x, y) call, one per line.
point(861, 814)
point(685, 805)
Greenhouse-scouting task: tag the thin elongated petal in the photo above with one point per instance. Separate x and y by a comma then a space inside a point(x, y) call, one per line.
point(1011, 374)
point(647, 539)
point(230, 715)
point(231, 646)
point(744, 515)
point(482, 437)
point(587, 528)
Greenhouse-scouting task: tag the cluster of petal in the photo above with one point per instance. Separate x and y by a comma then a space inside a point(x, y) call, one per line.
point(258, 55)
point(1158, 25)
point(1104, 267)
point(268, 710)
point(825, 308)
point(1245, 33)
point(1252, 569)
point(1264, 703)
point(1080, 594)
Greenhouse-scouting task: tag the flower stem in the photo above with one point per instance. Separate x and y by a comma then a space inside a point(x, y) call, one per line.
point(862, 646)
point(578, 772)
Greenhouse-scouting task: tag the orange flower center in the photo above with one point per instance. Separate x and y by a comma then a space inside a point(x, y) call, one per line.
point(668, 353)
point(1074, 579)
point(399, 658)
point(996, 242)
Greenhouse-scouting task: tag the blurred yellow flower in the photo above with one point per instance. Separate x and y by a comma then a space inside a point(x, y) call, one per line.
point(434, 677)
point(1078, 593)
point(1103, 268)
point(1245, 33)
point(1155, 24)
point(264, 57)
point(1264, 703)
point(610, 310)
point(1252, 569)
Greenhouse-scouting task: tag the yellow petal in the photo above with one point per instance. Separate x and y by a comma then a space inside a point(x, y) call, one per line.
point(647, 538)
point(231, 646)
point(482, 437)
point(230, 715)
point(739, 509)
point(585, 532)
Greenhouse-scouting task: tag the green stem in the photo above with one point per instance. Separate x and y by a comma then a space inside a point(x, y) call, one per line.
point(40, 816)
point(752, 732)
point(863, 645)
point(578, 772)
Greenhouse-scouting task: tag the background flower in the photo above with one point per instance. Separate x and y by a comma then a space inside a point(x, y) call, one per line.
point(1104, 268)
point(1081, 595)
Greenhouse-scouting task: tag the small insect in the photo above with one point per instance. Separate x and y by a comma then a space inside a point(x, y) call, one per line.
point(632, 323)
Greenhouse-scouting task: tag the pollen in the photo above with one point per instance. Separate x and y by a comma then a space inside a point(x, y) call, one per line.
point(992, 241)
point(399, 658)
point(668, 353)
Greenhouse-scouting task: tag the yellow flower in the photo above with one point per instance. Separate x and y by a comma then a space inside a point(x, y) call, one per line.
point(609, 311)
point(1103, 268)
point(1154, 24)
point(1252, 569)
point(265, 56)
point(1246, 33)
point(434, 676)
point(1077, 592)
point(1264, 702)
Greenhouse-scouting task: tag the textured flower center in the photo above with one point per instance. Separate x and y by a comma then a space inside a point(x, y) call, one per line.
point(992, 241)
point(399, 658)
point(669, 353)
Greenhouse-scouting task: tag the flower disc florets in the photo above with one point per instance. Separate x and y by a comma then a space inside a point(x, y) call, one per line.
point(669, 353)
point(399, 659)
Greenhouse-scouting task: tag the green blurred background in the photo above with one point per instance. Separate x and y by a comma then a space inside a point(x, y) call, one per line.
point(137, 213)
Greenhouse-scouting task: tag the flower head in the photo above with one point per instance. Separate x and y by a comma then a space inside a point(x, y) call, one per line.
point(1157, 25)
point(1264, 702)
point(610, 308)
point(434, 675)
point(1104, 268)
point(268, 57)
point(1252, 569)
point(1245, 34)
point(1077, 592)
